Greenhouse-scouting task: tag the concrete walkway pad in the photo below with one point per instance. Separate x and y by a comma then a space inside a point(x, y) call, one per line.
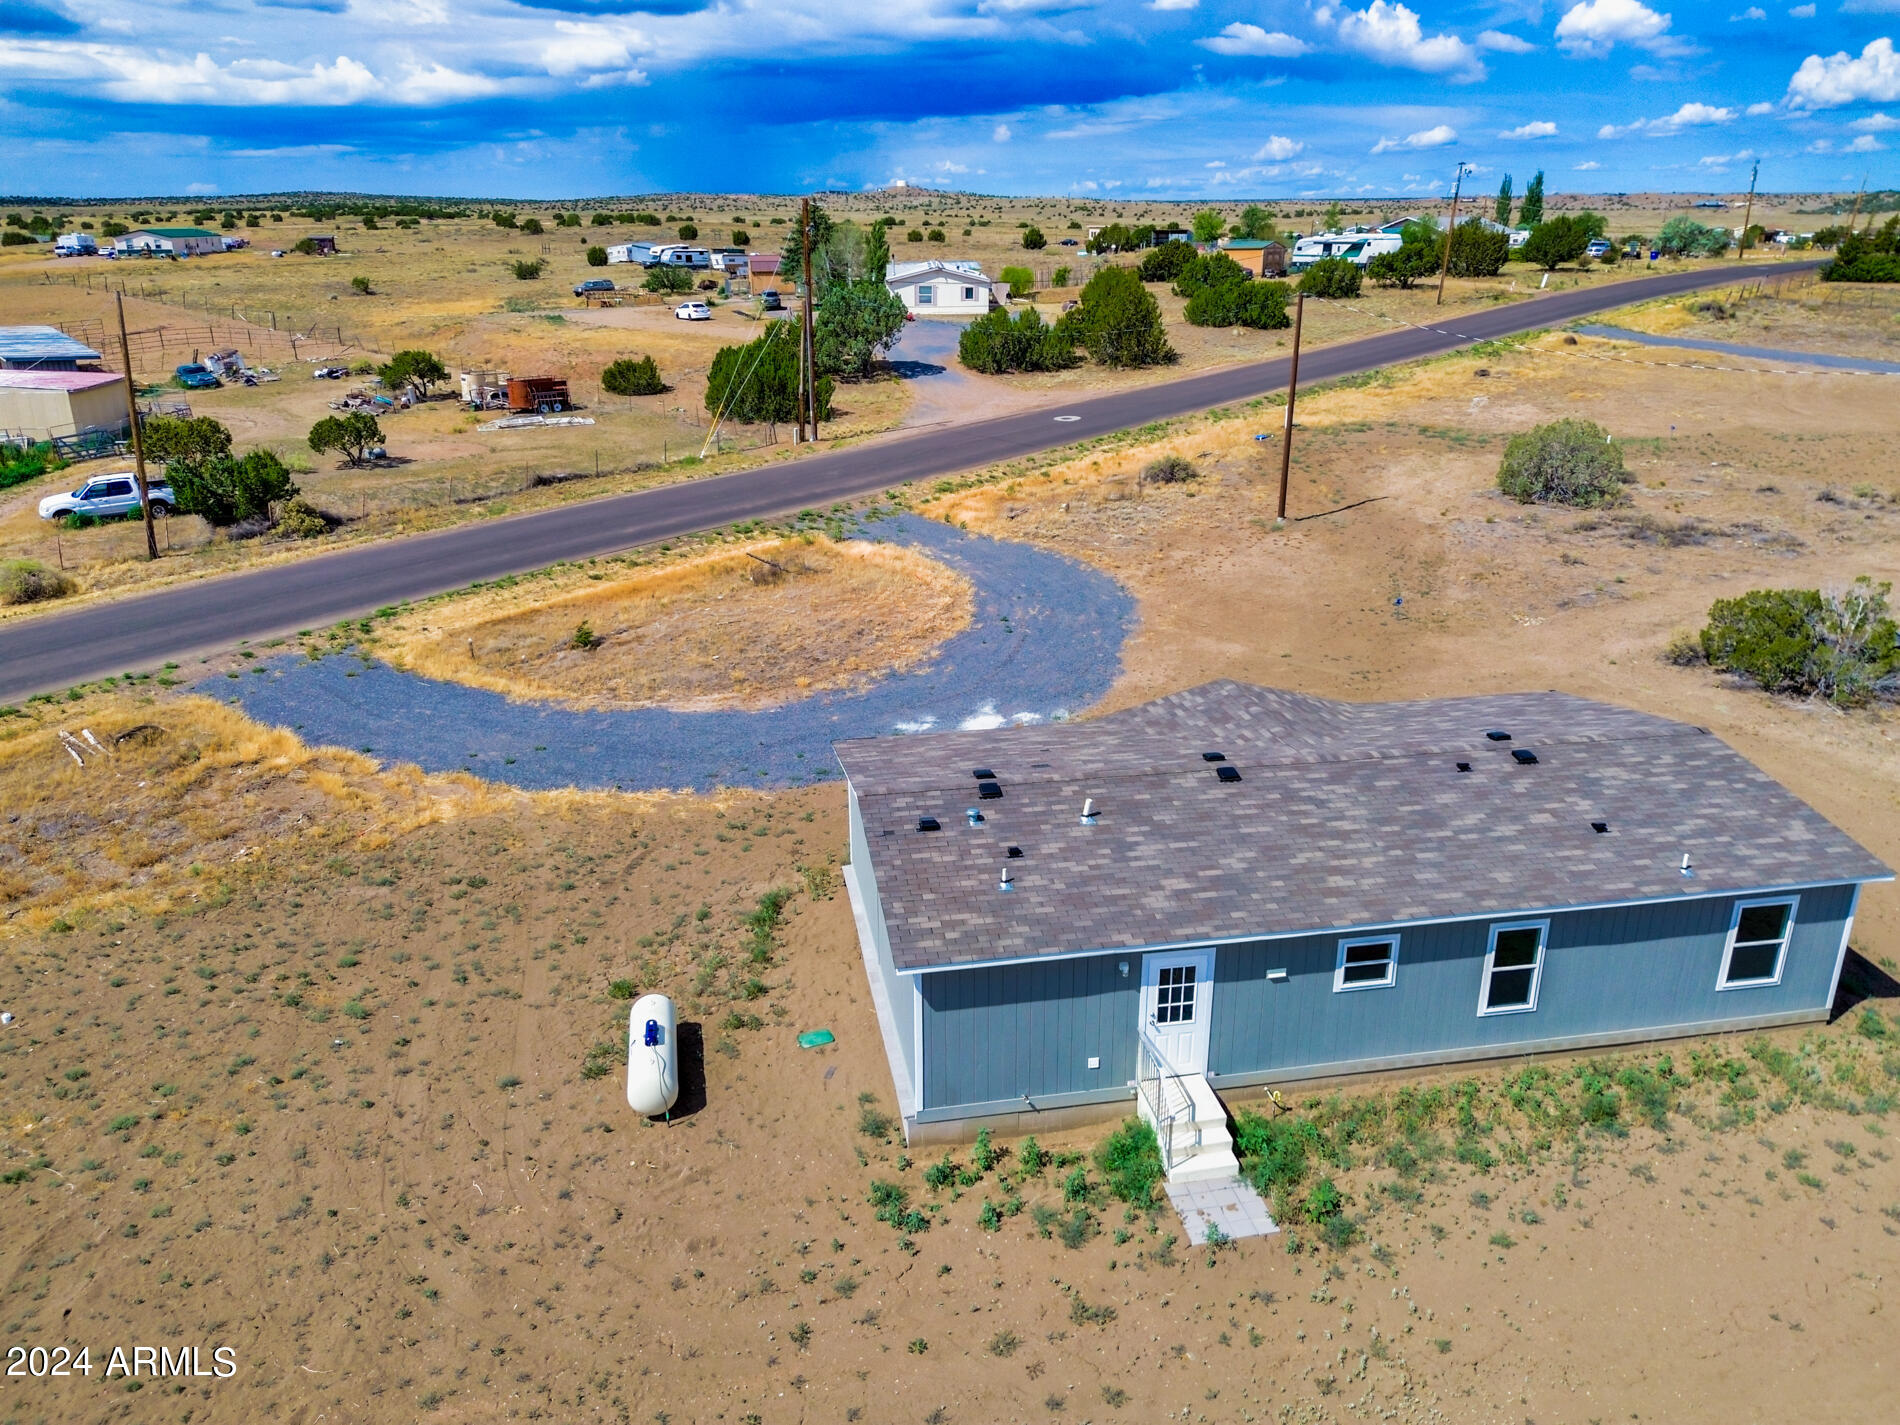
point(1231, 1205)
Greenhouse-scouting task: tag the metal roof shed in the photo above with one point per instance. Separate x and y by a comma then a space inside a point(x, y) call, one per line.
point(43, 349)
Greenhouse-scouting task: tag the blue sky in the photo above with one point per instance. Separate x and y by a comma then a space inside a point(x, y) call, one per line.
point(1118, 99)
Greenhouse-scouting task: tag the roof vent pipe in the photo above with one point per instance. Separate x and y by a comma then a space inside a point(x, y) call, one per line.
point(976, 817)
point(1088, 811)
point(1006, 882)
point(1687, 870)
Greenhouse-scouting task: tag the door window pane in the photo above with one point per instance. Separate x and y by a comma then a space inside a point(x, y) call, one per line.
point(1174, 994)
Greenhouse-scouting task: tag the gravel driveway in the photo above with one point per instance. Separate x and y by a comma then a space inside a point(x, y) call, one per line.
point(1045, 642)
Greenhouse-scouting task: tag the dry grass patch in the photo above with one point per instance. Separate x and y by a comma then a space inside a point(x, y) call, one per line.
point(743, 628)
point(125, 800)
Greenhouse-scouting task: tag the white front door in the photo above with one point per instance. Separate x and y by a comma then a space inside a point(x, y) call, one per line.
point(1177, 1000)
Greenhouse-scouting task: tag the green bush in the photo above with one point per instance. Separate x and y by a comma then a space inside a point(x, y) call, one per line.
point(1567, 462)
point(18, 465)
point(1223, 294)
point(688, 232)
point(1169, 470)
point(1331, 277)
point(1118, 322)
point(301, 520)
point(995, 343)
point(765, 375)
point(1872, 256)
point(597, 255)
point(669, 279)
point(350, 435)
point(224, 490)
point(1020, 279)
point(1560, 240)
point(27, 581)
point(1323, 1203)
point(416, 369)
point(1842, 647)
point(1129, 1160)
point(360, 285)
point(856, 323)
point(1167, 262)
point(1685, 237)
point(1033, 239)
point(1274, 1151)
point(1478, 251)
point(632, 377)
point(526, 271)
point(1418, 258)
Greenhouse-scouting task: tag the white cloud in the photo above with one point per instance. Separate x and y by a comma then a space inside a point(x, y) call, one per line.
point(1435, 137)
point(1537, 129)
point(1876, 124)
point(1588, 166)
point(1866, 143)
point(1755, 111)
point(1277, 149)
point(1821, 146)
point(1842, 79)
point(1871, 7)
point(199, 190)
point(1000, 134)
point(1689, 116)
point(1503, 43)
point(1592, 28)
point(1753, 12)
point(1802, 12)
point(1391, 34)
point(1246, 39)
point(1175, 4)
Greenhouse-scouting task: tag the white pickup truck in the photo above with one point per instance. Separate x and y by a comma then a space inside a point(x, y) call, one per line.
point(108, 497)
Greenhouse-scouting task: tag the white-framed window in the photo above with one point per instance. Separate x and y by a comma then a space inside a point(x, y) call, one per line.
point(969, 294)
point(1757, 943)
point(926, 295)
point(1368, 962)
point(1513, 964)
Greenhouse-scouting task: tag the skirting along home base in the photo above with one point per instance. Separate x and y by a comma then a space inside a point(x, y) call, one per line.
point(1238, 886)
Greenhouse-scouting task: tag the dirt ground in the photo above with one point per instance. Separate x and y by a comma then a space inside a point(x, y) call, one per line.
point(310, 1040)
point(764, 623)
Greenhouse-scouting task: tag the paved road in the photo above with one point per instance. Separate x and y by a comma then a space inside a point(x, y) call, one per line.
point(54, 651)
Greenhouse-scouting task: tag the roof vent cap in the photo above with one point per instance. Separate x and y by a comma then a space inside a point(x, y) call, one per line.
point(1687, 869)
point(1464, 766)
point(1601, 828)
point(989, 791)
point(1498, 735)
point(1213, 756)
point(1227, 774)
point(1005, 882)
point(976, 817)
point(982, 774)
point(929, 823)
point(1523, 756)
point(1015, 853)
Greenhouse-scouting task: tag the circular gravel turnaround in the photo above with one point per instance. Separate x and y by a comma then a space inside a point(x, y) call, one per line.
point(1045, 642)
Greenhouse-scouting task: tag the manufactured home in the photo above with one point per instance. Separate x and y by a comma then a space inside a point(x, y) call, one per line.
point(1236, 886)
point(168, 242)
point(941, 289)
point(1357, 245)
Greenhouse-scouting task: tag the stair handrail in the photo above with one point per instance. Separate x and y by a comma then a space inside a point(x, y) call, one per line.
point(1152, 1075)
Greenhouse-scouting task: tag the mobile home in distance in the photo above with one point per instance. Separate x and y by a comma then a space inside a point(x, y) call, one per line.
point(75, 245)
point(1234, 887)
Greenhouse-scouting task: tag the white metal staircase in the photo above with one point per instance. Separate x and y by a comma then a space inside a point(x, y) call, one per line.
point(1189, 1120)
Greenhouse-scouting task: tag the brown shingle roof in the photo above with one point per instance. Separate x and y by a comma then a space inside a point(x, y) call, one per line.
point(1346, 815)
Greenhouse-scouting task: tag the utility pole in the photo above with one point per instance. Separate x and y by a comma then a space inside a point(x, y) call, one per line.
point(138, 436)
point(1445, 265)
point(1292, 390)
point(808, 350)
point(1748, 212)
point(1854, 216)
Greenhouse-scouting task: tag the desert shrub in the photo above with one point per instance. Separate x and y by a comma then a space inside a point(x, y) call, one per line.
point(1557, 241)
point(597, 255)
point(360, 285)
point(1033, 239)
point(351, 435)
point(1118, 322)
point(1567, 462)
point(1129, 1160)
point(874, 1122)
point(669, 279)
point(1260, 305)
point(306, 246)
point(984, 1156)
point(1167, 262)
point(632, 377)
point(415, 368)
point(1203, 271)
point(936, 235)
point(224, 490)
point(762, 377)
point(1076, 1229)
point(1839, 646)
point(1323, 1202)
point(1331, 277)
point(1060, 277)
point(1030, 1157)
point(1872, 256)
point(1020, 279)
point(1274, 1151)
point(1685, 237)
point(688, 231)
point(18, 465)
point(1169, 470)
point(1477, 251)
point(531, 226)
point(526, 270)
point(1684, 649)
point(1418, 258)
point(914, 235)
point(301, 520)
point(27, 581)
point(996, 343)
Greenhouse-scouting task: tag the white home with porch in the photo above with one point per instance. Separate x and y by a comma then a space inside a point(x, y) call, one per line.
point(942, 289)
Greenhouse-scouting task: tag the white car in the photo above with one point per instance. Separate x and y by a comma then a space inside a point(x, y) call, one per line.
point(108, 497)
point(693, 312)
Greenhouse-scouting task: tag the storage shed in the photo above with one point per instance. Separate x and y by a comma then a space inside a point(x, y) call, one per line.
point(1237, 886)
point(43, 349)
point(1262, 258)
point(52, 405)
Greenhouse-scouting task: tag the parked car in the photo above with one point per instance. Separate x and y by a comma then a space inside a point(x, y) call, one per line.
point(693, 312)
point(1597, 247)
point(108, 497)
point(594, 284)
point(330, 373)
point(196, 376)
point(769, 300)
point(1068, 242)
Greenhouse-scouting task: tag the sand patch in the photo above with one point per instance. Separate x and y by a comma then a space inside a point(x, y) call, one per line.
point(744, 628)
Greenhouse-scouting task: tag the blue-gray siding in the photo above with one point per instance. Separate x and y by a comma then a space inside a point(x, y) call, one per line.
point(900, 989)
point(993, 1034)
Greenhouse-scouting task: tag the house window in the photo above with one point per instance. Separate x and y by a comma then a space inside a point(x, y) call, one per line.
point(1512, 966)
point(1757, 938)
point(1174, 995)
point(969, 294)
point(1367, 963)
point(925, 296)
